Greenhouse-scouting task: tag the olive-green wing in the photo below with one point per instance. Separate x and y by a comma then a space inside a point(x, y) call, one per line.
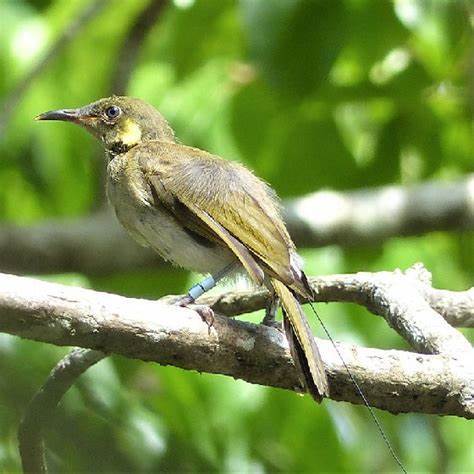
point(226, 195)
point(201, 224)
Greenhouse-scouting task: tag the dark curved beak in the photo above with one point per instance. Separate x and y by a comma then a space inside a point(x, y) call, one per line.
point(65, 115)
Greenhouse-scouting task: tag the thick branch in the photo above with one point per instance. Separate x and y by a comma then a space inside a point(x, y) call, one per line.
point(91, 245)
point(393, 380)
point(352, 218)
point(373, 215)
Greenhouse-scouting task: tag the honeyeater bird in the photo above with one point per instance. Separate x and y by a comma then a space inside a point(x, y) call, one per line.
point(200, 212)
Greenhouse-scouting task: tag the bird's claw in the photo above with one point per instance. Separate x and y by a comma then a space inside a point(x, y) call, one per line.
point(205, 312)
point(272, 323)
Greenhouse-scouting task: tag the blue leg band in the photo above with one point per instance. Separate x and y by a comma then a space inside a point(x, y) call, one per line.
point(200, 288)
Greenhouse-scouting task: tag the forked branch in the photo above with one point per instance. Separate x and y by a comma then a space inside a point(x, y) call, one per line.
point(397, 381)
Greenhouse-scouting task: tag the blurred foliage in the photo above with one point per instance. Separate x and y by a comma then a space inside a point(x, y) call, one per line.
point(310, 94)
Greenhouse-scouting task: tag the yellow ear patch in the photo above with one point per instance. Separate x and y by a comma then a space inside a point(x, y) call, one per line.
point(131, 133)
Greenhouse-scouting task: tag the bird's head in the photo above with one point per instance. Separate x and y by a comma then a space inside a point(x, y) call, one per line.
point(119, 122)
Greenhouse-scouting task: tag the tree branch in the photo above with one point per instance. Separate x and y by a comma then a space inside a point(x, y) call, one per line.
point(456, 307)
point(74, 245)
point(41, 408)
point(368, 216)
point(323, 218)
point(396, 381)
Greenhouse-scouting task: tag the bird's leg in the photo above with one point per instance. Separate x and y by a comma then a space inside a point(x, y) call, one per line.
point(270, 312)
point(205, 311)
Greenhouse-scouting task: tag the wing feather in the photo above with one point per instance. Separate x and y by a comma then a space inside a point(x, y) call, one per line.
point(224, 196)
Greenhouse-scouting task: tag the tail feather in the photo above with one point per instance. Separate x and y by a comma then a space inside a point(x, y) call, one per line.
point(303, 347)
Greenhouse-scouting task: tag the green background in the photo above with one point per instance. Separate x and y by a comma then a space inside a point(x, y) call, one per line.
point(310, 94)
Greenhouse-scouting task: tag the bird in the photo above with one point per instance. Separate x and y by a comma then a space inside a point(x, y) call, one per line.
point(203, 213)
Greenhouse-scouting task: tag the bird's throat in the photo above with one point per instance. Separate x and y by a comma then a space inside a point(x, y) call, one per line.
point(128, 136)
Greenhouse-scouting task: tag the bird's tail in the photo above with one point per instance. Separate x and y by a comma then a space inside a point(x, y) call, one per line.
point(303, 347)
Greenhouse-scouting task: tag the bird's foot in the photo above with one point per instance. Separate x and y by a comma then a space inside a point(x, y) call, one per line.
point(270, 313)
point(181, 300)
point(205, 312)
point(272, 323)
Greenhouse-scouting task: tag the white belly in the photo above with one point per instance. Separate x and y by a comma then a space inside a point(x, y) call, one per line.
point(155, 228)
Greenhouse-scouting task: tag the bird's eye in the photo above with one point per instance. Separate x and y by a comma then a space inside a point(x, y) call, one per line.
point(112, 112)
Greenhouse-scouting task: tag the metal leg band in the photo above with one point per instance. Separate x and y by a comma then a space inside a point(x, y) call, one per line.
point(200, 288)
